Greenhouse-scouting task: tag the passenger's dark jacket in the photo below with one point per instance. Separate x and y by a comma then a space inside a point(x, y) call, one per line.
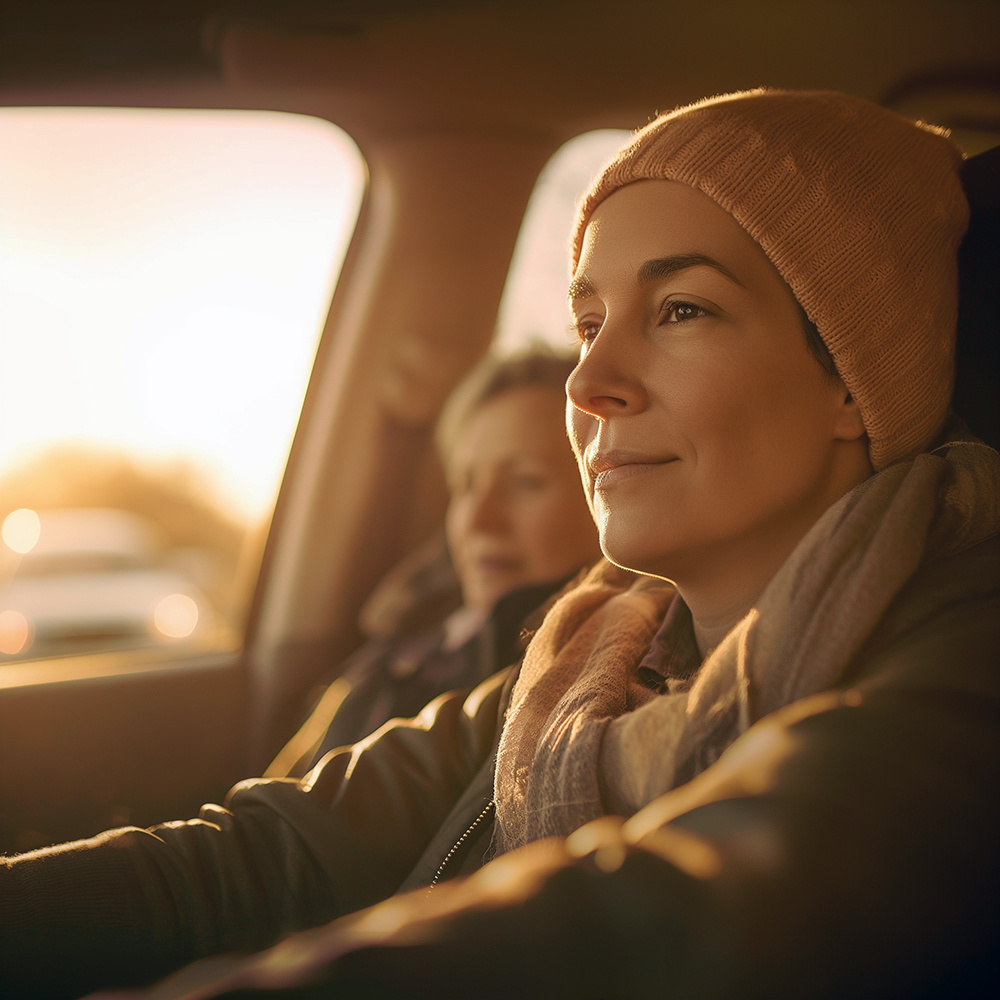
point(395, 676)
point(410, 655)
point(845, 846)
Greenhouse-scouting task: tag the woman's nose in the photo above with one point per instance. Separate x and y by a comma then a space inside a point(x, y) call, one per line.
point(607, 381)
point(488, 511)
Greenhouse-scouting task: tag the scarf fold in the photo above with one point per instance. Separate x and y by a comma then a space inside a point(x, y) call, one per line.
point(584, 737)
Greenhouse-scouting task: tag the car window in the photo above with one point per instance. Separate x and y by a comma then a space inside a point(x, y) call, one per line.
point(164, 278)
point(533, 308)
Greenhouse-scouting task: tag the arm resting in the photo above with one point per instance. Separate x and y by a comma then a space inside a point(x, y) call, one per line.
point(128, 905)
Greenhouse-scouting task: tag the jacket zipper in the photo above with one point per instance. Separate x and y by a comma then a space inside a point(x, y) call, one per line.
point(490, 806)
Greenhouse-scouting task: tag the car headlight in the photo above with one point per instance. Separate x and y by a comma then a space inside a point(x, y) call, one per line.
point(21, 530)
point(16, 632)
point(175, 616)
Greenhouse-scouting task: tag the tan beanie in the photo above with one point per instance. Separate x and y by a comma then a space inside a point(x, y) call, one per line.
point(859, 209)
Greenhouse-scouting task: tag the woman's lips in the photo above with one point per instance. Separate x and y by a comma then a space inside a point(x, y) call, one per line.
point(496, 564)
point(622, 472)
point(611, 468)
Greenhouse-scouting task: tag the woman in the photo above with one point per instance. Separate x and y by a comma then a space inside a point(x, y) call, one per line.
point(517, 529)
point(767, 768)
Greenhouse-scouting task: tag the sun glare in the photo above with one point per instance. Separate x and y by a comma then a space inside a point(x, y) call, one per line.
point(164, 277)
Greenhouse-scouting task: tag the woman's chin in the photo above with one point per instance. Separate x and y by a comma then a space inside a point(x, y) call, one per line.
point(633, 559)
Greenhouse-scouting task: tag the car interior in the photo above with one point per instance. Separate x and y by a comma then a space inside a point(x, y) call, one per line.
point(456, 107)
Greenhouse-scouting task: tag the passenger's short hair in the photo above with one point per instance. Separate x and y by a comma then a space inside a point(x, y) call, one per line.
point(535, 367)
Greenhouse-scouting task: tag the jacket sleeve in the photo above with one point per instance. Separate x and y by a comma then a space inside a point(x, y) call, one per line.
point(131, 904)
point(846, 846)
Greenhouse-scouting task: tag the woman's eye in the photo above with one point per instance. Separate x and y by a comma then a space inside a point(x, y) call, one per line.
point(587, 331)
point(678, 312)
point(459, 485)
point(529, 481)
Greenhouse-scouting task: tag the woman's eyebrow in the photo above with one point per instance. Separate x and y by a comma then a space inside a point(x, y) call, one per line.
point(664, 267)
point(654, 270)
point(580, 288)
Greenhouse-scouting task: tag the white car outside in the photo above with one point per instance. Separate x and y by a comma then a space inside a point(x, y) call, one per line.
point(79, 580)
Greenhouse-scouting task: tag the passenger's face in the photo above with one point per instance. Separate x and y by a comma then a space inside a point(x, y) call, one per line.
point(704, 427)
point(517, 515)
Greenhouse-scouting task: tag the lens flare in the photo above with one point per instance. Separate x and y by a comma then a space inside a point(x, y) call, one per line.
point(21, 529)
point(176, 616)
point(15, 632)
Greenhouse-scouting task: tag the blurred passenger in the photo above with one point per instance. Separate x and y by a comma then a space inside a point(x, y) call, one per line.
point(769, 767)
point(518, 528)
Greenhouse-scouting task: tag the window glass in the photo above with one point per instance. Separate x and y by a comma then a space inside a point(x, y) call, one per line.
point(533, 308)
point(164, 278)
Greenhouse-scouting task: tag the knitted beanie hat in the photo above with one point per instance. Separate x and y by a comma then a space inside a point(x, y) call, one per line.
point(860, 210)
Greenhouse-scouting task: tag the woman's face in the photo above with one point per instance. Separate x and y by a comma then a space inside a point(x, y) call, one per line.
point(708, 436)
point(517, 515)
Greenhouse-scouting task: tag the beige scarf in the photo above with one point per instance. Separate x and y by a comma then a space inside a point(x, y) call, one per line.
point(583, 737)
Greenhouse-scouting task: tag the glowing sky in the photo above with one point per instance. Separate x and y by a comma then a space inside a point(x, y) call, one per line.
point(164, 277)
